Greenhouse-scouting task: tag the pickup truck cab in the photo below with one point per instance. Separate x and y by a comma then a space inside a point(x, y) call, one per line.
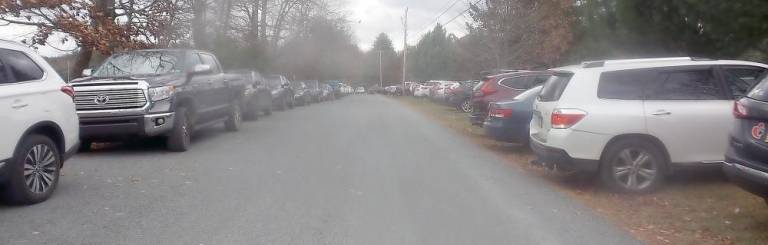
point(166, 93)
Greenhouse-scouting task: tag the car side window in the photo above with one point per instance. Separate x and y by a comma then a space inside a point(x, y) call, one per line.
point(4, 74)
point(740, 79)
point(694, 84)
point(516, 82)
point(18, 67)
point(625, 84)
point(209, 60)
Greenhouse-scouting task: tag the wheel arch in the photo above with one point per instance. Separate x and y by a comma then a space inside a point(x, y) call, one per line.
point(49, 129)
point(644, 137)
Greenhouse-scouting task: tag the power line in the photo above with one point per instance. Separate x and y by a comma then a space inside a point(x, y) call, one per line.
point(454, 18)
point(437, 19)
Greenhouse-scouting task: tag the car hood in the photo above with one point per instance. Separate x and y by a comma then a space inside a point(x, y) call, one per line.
point(154, 80)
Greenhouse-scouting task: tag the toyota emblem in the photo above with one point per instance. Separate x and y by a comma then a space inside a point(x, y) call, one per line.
point(101, 99)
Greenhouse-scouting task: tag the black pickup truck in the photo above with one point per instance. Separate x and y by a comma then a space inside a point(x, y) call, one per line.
point(167, 93)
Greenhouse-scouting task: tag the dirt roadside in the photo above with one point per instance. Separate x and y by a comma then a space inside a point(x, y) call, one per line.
point(694, 207)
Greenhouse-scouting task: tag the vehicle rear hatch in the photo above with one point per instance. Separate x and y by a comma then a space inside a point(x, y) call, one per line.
point(754, 123)
point(546, 103)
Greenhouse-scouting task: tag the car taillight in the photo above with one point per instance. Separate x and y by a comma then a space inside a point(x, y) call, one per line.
point(489, 87)
point(566, 118)
point(69, 91)
point(500, 113)
point(739, 110)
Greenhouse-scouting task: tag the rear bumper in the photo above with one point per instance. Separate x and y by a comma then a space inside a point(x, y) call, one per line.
point(506, 131)
point(741, 172)
point(561, 158)
point(127, 126)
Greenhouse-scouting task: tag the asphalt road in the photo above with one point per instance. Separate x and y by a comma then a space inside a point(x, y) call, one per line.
point(361, 170)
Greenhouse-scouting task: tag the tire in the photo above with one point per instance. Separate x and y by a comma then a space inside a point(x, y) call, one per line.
point(465, 106)
point(181, 134)
point(268, 109)
point(251, 113)
point(283, 104)
point(291, 102)
point(633, 166)
point(39, 156)
point(235, 118)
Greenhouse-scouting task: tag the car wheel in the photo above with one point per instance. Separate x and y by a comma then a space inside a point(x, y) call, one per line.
point(235, 118)
point(465, 106)
point(251, 113)
point(633, 166)
point(34, 171)
point(268, 108)
point(181, 134)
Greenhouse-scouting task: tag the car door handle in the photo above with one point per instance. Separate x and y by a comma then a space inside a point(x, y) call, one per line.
point(661, 113)
point(19, 105)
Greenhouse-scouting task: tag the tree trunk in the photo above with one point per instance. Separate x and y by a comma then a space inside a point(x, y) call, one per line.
point(198, 24)
point(263, 21)
point(82, 61)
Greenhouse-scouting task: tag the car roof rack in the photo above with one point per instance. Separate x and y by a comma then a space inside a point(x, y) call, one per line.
point(602, 63)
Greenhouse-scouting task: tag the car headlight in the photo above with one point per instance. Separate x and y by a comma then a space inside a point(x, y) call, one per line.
point(161, 93)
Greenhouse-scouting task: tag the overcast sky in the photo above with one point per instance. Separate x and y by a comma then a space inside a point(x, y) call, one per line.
point(371, 17)
point(367, 18)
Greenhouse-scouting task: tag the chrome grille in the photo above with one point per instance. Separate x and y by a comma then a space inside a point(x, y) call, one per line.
point(117, 99)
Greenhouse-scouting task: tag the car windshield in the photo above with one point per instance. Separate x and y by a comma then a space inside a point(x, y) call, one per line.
point(142, 63)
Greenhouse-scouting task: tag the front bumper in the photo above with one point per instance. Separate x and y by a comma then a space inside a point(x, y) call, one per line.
point(560, 157)
point(739, 171)
point(126, 126)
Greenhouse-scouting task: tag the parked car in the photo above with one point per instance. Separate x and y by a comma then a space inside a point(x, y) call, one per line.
point(747, 155)
point(509, 121)
point(314, 91)
point(327, 92)
point(460, 96)
point(282, 92)
point(502, 87)
point(167, 93)
point(301, 95)
point(441, 91)
point(633, 121)
point(40, 127)
point(421, 90)
point(257, 97)
point(360, 90)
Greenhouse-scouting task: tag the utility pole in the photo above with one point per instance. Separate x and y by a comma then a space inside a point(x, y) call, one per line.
point(381, 75)
point(405, 47)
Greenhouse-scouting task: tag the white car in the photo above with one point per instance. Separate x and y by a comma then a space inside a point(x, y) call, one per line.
point(633, 121)
point(40, 126)
point(360, 90)
point(421, 91)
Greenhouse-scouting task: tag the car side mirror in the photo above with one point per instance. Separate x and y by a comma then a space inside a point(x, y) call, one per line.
point(87, 72)
point(201, 69)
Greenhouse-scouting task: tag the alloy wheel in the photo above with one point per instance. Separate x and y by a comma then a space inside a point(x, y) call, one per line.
point(40, 168)
point(635, 169)
point(466, 106)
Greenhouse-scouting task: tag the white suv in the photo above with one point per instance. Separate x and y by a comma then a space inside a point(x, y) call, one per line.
point(39, 125)
point(633, 120)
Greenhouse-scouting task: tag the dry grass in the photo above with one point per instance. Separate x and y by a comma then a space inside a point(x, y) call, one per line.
point(694, 207)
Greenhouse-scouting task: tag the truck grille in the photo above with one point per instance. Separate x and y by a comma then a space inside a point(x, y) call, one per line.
point(110, 99)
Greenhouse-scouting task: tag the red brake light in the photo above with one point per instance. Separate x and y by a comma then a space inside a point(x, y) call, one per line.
point(739, 110)
point(489, 87)
point(500, 113)
point(566, 118)
point(69, 91)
